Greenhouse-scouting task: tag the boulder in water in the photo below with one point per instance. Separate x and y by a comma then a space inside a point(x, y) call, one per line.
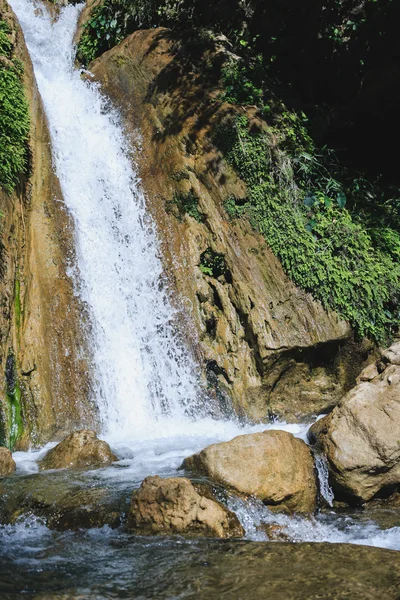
point(7, 463)
point(175, 506)
point(78, 450)
point(361, 436)
point(273, 466)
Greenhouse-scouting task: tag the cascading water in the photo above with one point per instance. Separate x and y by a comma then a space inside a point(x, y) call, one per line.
point(142, 372)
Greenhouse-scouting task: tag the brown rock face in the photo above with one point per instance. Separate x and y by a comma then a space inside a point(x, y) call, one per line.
point(80, 449)
point(7, 464)
point(42, 349)
point(273, 466)
point(173, 505)
point(263, 342)
point(361, 437)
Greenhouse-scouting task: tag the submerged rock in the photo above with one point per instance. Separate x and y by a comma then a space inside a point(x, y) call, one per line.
point(361, 436)
point(7, 463)
point(273, 466)
point(79, 450)
point(173, 505)
point(64, 500)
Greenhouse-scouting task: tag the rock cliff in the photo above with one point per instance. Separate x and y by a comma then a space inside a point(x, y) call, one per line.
point(44, 387)
point(263, 342)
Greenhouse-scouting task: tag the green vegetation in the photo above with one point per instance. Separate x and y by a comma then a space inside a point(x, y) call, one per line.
point(14, 116)
point(212, 263)
point(185, 204)
point(309, 77)
point(300, 209)
point(11, 425)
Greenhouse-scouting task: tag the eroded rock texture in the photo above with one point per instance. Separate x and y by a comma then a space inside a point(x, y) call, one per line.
point(263, 342)
point(174, 505)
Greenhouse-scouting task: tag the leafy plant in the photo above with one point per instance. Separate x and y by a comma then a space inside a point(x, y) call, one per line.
point(212, 263)
point(14, 116)
point(322, 247)
point(185, 204)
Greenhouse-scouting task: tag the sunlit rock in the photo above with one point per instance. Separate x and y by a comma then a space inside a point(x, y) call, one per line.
point(7, 463)
point(173, 505)
point(273, 466)
point(361, 436)
point(79, 450)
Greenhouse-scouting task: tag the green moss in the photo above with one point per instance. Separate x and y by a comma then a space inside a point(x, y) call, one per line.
point(14, 116)
point(11, 427)
point(324, 248)
point(185, 204)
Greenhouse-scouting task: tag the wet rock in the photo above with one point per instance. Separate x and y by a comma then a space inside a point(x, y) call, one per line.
point(79, 450)
point(61, 501)
point(174, 505)
point(7, 463)
point(273, 466)
point(361, 436)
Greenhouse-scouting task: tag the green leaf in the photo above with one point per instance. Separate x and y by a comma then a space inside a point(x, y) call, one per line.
point(341, 200)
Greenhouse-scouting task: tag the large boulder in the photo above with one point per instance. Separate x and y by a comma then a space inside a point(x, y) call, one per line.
point(7, 463)
point(361, 436)
point(174, 505)
point(78, 450)
point(273, 466)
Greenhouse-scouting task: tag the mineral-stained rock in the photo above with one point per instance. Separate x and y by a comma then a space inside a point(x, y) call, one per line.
point(78, 450)
point(361, 436)
point(173, 505)
point(7, 464)
point(274, 466)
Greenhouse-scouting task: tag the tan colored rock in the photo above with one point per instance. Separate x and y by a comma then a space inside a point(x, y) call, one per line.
point(361, 438)
point(392, 354)
point(266, 344)
point(79, 450)
point(174, 505)
point(7, 463)
point(273, 466)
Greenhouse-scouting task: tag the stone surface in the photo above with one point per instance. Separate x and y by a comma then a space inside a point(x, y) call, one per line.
point(361, 436)
point(263, 342)
point(51, 362)
point(7, 463)
point(62, 500)
point(174, 506)
point(273, 466)
point(79, 450)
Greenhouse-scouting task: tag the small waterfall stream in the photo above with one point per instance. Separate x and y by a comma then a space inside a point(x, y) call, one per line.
point(142, 372)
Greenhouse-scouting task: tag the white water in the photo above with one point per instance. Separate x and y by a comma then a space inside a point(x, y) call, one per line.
point(145, 381)
point(142, 372)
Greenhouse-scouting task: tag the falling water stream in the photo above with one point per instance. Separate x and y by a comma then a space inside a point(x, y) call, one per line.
point(145, 381)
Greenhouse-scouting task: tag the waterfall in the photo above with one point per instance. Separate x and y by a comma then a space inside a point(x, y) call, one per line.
point(142, 373)
point(323, 477)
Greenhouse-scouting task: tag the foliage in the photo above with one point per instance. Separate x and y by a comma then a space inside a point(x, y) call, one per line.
point(185, 204)
point(300, 209)
point(212, 263)
point(11, 425)
point(14, 116)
